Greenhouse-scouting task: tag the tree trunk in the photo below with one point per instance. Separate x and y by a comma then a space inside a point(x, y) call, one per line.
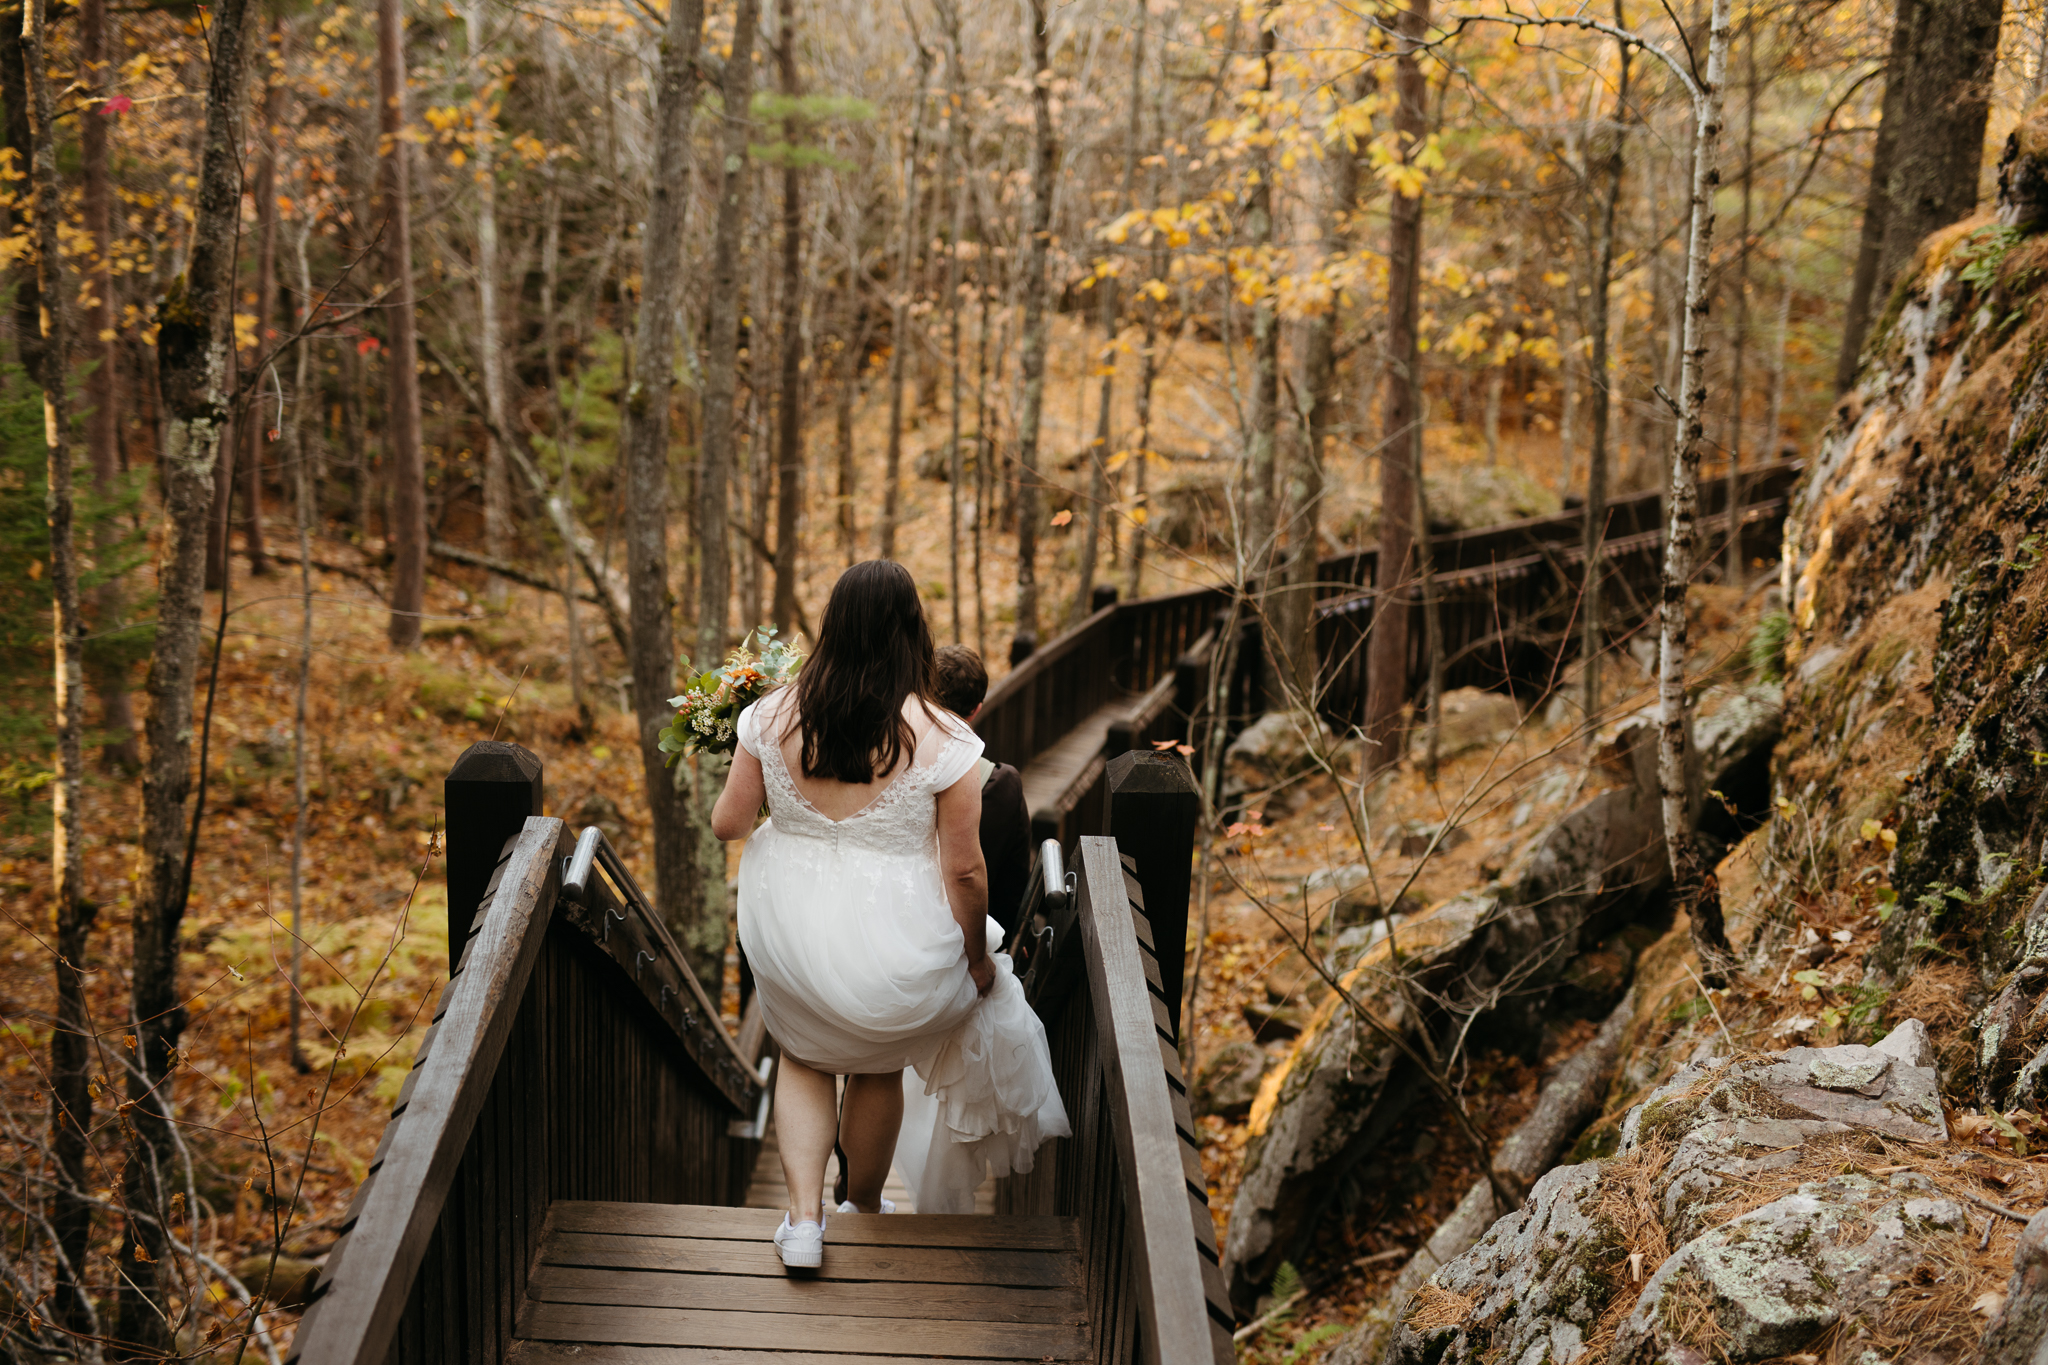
point(256, 426)
point(194, 349)
point(102, 389)
point(644, 453)
point(27, 320)
point(789, 431)
point(984, 454)
point(956, 464)
point(497, 480)
point(1696, 894)
point(1031, 360)
point(1261, 519)
point(302, 506)
point(902, 288)
point(1940, 146)
point(1387, 650)
point(1777, 408)
point(1733, 574)
point(1599, 389)
point(721, 347)
point(849, 390)
point(1293, 613)
point(406, 535)
point(1098, 449)
point(1876, 205)
point(1148, 358)
point(71, 1039)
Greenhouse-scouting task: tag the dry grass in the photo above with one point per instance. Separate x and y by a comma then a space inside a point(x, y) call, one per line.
point(1629, 1202)
point(1930, 1309)
point(1434, 1308)
point(1935, 993)
point(1687, 1309)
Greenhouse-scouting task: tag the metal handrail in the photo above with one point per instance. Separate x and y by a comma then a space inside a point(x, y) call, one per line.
point(702, 1028)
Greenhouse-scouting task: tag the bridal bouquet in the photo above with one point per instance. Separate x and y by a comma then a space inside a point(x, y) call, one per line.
point(708, 711)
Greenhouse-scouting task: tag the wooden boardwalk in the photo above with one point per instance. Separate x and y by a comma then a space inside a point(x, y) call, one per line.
point(615, 1279)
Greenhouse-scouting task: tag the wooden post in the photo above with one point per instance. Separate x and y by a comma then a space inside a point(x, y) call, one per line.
point(489, 793)
point(1153, 808)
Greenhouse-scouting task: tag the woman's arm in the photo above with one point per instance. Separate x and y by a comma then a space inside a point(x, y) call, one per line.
point(966, 874)
point(733, 816)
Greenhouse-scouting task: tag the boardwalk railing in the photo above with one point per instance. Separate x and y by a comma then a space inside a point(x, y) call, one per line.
point(1132, 1171)
point(573, 1056)
point(1508, 595)
point(1130, 673)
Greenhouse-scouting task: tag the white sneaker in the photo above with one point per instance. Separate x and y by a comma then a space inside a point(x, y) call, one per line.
point(888, 1206)
point(802, 1246)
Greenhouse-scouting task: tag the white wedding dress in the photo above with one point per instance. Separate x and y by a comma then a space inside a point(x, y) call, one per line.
point(861, 969)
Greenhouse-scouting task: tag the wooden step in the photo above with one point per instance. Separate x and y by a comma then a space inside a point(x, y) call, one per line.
point(678, 1284)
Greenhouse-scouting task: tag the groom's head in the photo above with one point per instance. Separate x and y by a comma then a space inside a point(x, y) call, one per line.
point(960, 680)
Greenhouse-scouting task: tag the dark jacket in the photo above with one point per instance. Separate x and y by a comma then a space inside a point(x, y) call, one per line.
point(1005, 846)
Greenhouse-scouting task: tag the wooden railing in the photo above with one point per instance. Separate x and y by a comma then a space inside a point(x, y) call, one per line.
point(1132, 1171)
point(1125, 651)
point(573, 1056)
point(1507, 596)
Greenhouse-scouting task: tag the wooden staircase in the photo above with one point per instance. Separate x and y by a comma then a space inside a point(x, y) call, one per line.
point(564, 1171)
point(614, 1278)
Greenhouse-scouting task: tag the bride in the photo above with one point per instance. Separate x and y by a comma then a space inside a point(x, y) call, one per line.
point(862, 910)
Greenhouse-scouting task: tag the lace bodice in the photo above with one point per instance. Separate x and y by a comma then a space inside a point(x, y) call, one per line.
point(902, 820)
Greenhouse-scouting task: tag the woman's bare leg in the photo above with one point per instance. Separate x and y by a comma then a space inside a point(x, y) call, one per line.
point(806, 1120)
point(867, 1133)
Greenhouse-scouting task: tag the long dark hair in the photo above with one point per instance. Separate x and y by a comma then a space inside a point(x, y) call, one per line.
point(874, 649)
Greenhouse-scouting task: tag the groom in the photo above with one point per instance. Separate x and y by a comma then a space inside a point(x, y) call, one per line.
point(1005, 820)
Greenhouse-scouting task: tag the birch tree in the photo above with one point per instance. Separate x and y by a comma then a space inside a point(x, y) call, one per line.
point(406, 536)
point(70, 1039)
point(194, 349)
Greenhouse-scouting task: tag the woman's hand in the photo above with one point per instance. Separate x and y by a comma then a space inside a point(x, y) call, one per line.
point(984, 974)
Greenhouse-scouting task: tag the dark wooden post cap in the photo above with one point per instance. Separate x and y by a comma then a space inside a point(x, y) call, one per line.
point(1151, 772)
point(492, 760)
point(489, 792)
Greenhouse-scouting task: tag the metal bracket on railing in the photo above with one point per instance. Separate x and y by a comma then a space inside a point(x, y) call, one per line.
point(576, 869)
point(666, 991)
point(758, 1128)
point(642, 956)
point(1057, 882)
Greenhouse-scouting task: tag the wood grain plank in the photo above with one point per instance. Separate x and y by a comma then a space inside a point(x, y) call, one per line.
point(802, 1332)
point(995, 1268)
point(804, 1294)
point(846, 1229)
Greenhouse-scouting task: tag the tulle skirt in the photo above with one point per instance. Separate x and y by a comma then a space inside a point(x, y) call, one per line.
point(861, 971)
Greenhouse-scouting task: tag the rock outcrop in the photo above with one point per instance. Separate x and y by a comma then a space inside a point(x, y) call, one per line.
point(1498, 952)
point(1651, 1256)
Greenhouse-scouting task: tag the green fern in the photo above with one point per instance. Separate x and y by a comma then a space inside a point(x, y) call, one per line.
point(1984, 251)
point(1313, 1338)
point(1767, 647)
